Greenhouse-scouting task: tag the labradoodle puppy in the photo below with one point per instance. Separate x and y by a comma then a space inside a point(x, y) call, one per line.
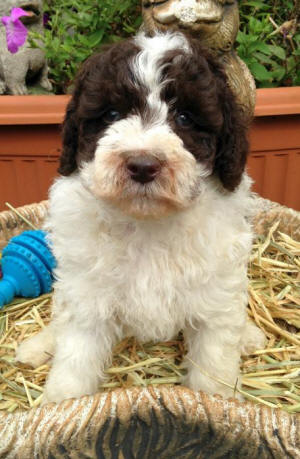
point(149, 220)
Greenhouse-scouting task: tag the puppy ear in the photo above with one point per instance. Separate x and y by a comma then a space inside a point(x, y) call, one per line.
point(68, 163)
point(233, 147)
point(69, 140)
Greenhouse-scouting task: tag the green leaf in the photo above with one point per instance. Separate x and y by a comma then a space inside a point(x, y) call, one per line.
point(242, 37)
point(260, 46)
point(292, 64)
point(279, 73)
point(296, 80)
point(264, 59)
point(278, 51)
point(260, 72)
point(249, 61)
point(256, 4)
point(255, 25)
point(95, 38)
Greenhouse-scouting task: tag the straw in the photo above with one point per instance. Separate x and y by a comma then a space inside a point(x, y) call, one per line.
point(25, 220)
point(269, 376)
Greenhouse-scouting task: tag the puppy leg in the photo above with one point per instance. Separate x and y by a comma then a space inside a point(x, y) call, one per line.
point(37, 350)
point(78, 365)
point(214, 354)
point(253, 339)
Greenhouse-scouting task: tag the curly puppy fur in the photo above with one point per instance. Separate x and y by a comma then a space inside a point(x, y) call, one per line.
point(148, 221)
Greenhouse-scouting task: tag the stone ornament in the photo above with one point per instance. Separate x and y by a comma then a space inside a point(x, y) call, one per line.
point(27, 63)
point(216, 24)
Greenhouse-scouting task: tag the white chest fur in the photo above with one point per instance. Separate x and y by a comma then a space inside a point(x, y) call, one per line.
point(151, 276)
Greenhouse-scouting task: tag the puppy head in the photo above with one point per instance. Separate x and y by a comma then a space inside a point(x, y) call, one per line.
point(149, 121)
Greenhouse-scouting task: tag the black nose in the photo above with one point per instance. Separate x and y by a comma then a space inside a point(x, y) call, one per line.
point(143, 169)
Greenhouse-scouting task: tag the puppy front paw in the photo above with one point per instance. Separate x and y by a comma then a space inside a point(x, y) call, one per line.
point(37, 350)
point(63, 384)
point(253, 339)
point(196, 381)
point(27, 354)
point(56, 393)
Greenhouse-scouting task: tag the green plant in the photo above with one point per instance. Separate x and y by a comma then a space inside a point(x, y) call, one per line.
point(269, 41)
point(76, 28)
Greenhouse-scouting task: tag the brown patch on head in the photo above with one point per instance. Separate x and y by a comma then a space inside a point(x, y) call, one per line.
point(216, 133)
point(105, 81)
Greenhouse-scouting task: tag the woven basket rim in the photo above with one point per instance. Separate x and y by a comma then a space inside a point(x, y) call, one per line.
point(74, 422)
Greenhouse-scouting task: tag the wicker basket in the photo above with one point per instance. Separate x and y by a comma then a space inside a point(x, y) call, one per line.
point(164, 422)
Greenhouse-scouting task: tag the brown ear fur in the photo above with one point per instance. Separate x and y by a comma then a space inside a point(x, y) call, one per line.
point(69, 139)
point(68, 163)
point(233, 146)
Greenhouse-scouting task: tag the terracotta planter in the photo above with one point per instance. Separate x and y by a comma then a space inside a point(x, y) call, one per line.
point(274, 161)
point(30, 146)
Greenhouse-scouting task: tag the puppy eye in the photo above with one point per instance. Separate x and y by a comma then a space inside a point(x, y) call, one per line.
point(111, 115)
point(184, 119)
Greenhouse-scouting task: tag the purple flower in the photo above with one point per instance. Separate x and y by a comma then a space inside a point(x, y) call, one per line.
point(46, 19)
point(16, 32)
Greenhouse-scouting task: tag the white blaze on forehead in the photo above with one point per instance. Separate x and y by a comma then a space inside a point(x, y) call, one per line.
point(147, 65)
point(147, 68)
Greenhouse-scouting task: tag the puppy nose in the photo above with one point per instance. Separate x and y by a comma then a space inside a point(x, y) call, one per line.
point(143, 169)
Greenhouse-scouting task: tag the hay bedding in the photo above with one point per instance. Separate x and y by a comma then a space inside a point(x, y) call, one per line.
point(270, 376)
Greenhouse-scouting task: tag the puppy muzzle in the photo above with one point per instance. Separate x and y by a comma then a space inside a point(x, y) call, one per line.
point(143, 168)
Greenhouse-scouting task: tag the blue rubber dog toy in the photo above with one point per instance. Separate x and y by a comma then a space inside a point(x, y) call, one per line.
point(27, 264)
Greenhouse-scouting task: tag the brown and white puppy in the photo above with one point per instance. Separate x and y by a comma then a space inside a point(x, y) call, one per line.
point(148, 221)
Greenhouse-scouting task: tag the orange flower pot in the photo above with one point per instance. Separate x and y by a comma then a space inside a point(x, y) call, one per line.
point(30, 146)
point(274, 161)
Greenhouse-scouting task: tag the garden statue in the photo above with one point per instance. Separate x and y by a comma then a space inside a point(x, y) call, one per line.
point(19, 63)
point(215, 23)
